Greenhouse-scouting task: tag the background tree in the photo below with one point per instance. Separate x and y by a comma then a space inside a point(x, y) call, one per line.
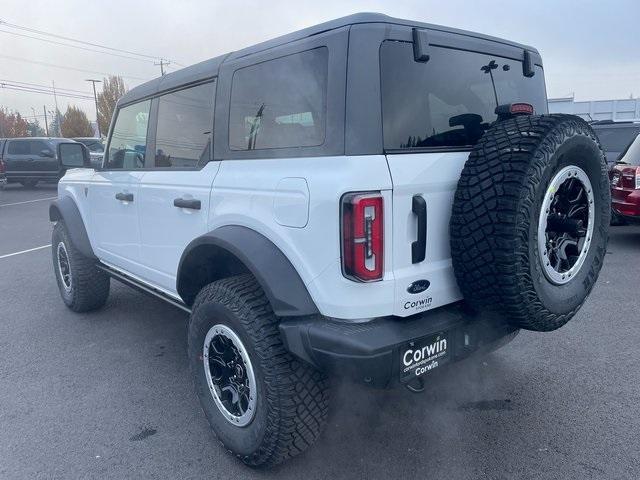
point(35, 130)
point(54, 124)
point(112, 89)
point(12, 124)
point(75, 123)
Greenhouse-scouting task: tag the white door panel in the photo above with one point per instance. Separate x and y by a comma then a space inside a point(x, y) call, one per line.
point(115, 222)
point(434, 176)
point(165, 229)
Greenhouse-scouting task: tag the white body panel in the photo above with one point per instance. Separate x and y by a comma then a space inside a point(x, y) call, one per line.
point(166, 230)
point(250, 193)
point(295, 202)
point(114, 223)
point(434, 176)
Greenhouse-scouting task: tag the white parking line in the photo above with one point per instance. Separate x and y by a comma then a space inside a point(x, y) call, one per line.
point(24, 251)
point(27, 201)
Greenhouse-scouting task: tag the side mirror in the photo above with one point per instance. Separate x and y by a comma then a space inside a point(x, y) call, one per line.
point(74, 155)
point(46, 153)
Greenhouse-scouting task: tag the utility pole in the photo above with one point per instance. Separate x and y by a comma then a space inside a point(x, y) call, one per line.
point(95, 99)
point(46, 122)
point(55, 98)
point(162, 64)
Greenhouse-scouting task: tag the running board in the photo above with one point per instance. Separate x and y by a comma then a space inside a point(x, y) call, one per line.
point(142, 287)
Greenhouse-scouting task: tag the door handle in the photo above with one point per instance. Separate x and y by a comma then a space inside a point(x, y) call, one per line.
point(190, 203)
point(419, 247)
point(124, 197)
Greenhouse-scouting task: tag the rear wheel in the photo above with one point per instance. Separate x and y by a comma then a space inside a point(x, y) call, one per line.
point(263, 404)
point(530, 220)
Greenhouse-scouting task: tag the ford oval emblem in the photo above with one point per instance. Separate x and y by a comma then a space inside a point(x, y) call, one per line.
point(418, 286)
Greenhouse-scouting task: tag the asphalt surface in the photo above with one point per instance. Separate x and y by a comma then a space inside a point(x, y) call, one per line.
point(108, 394)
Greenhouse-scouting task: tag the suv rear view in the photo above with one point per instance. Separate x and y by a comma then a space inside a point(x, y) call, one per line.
point(370, 197)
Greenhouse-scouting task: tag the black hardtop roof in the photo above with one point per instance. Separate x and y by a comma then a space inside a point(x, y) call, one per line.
point(210, 68)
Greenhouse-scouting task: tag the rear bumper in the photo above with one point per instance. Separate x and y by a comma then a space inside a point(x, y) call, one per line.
point(372, 352)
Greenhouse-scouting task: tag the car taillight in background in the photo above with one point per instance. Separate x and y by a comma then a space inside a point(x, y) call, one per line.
point(363, 236)
point(638, 178)
point(1, 166)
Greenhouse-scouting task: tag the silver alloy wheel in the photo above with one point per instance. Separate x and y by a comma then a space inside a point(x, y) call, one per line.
point(230, 375)
point(64, 267)
point(565, 225)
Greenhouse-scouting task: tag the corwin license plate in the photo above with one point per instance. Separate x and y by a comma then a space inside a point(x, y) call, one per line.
point(423, 355)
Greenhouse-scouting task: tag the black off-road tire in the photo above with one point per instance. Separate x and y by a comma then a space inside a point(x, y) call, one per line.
point(292, 396)
point(89, 286)
point(494, 225)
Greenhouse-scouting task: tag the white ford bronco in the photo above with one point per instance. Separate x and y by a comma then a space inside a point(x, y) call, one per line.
point(370, 197)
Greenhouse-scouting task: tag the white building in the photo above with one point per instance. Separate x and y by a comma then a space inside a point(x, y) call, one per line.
point(618, 110)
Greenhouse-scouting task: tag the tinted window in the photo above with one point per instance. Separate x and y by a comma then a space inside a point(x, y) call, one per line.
point(27, 147)
point(128, 143)
point(632, 155)
point(280, 103)
point(19, 148)
point(450, 100)
point(185, 122)
point(616, 139)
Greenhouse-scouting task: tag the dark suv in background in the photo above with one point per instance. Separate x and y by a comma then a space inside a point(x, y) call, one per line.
point(615, 137)
point(31, 160)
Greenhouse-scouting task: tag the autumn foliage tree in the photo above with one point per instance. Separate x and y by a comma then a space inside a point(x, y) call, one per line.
point(12, 124)
point(75, 123)
point(112, 89)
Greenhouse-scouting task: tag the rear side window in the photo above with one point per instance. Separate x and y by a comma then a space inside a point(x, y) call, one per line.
point(280, 103)
point(128, 144)
point(19, 148)
point(185, 123)
point(616, 139)
point(449, 101)
point(27, 147)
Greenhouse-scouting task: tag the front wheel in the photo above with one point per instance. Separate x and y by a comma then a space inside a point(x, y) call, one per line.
point(263, 404)
point(82, 286)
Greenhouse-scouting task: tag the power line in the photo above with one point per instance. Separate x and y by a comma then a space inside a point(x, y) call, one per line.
point(45, 64)
point(81, 92)
point(19, 88)
point(75, 40)
point(75, 46)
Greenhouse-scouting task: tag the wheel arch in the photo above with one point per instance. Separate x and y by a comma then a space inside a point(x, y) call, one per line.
point(233, 250)
point(66, 210)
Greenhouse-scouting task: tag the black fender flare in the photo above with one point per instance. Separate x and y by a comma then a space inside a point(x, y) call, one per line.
point(274, 272)
point(66, 210)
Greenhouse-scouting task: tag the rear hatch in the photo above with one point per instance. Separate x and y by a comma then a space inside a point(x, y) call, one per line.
point(433, 113)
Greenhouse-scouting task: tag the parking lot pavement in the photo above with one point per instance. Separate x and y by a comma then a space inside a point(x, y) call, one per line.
point(108, 394)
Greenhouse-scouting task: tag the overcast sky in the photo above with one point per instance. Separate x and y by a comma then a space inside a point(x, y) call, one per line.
point(590, 48)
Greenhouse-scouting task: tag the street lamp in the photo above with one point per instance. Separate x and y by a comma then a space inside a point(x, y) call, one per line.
point(95, 99)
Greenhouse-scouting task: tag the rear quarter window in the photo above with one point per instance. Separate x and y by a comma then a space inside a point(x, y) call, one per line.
point(449, 101)
point(280, 103)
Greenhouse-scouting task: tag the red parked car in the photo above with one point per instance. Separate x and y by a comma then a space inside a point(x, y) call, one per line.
point(625, 183)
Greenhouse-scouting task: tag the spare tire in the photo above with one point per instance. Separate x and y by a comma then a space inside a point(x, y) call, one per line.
point(530, 220)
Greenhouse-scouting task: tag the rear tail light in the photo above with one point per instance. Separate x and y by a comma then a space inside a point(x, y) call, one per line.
point(363, 236)
point(638, 178)
point(1, 166)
